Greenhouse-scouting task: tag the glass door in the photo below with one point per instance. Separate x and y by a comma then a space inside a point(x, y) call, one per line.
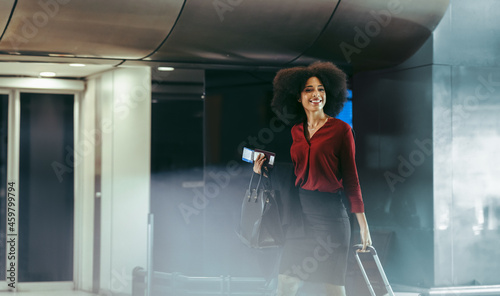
point(4, 103)
point(36, 188)
point(46, 188)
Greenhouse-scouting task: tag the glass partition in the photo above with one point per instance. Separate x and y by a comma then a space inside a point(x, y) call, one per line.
point(4, 103)
point(46, 182)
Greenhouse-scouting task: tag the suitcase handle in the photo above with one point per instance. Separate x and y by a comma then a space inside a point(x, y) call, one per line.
point(370, 249)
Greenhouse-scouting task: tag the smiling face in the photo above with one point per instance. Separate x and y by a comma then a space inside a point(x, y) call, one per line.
point(313, 96)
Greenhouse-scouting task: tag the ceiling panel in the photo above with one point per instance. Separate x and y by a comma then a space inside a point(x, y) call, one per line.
point(125, 29)
point(373, 34)
point(245, 32)
point(6, 7)
point(225, 34)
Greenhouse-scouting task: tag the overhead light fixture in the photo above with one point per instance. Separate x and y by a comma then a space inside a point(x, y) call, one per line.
point(61, 55)
point(47, 74)
point(166, 68)
point(77, 65)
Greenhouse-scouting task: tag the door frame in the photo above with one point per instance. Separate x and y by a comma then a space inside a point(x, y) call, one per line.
point(10, 166)
point(14, 87)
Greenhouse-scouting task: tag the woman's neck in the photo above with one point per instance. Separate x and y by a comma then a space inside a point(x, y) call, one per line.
point(316, 118)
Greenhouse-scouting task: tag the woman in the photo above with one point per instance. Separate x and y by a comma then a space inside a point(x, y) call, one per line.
point(323, 156)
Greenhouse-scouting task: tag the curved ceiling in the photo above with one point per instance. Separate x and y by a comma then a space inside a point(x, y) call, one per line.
point(6, 8)
point(123, 29)
point(248, 32)
point(366, 34)
point(357, 34)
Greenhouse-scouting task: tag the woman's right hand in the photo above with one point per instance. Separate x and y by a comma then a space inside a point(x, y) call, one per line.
point(258, 163)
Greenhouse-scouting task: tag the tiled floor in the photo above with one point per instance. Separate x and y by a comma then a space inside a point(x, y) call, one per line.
point(80, 293)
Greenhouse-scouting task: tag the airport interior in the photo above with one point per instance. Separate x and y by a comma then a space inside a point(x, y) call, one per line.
point(123, 124)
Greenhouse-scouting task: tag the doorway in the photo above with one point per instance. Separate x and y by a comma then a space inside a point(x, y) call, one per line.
point(36, 196)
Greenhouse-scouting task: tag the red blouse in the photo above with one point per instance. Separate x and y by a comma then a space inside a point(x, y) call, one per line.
point(326, 162)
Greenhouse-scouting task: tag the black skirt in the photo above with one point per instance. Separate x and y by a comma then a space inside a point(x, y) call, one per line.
point(321, 254)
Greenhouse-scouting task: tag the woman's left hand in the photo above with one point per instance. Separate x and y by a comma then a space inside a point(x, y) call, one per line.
point(366, 239)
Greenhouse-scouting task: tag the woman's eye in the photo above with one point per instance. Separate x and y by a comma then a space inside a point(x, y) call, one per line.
point(307, 90)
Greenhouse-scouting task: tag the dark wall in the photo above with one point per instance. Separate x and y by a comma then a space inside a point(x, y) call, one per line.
point(238, 114)
point(176, 168)
point(393, 123)
point(198, 177)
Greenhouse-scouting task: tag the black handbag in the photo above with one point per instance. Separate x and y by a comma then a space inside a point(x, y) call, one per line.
point(260, 224)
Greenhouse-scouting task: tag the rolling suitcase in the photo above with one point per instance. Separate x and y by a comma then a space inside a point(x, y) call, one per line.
point(372, 273)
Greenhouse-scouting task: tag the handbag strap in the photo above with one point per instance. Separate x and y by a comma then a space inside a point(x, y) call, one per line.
point(251, 180)
point(250, 184)
point(258, 183)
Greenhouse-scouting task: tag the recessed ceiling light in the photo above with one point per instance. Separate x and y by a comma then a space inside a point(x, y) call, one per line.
point(166, 68)
point(61, 55)
point(47, 74)
point(77, 65)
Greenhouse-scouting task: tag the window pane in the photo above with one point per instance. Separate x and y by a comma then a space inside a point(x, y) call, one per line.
point(4, 99)
point(46, 185)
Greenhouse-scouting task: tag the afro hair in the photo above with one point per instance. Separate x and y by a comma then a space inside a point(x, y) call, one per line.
point(290, 82)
